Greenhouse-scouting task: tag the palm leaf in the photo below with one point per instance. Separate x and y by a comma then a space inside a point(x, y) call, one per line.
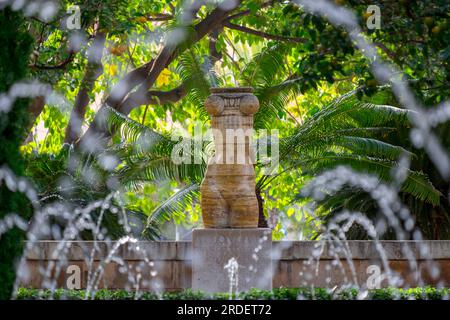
point(170, 208)
point(198, 77)
point(416, 183)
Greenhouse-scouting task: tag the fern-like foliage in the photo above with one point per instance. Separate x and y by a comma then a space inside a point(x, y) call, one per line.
point(416, 183)
point(347, 132)
point(265, 66)
point(146, 156)
point(198, 77)
point(172, 207)
point(274, 94)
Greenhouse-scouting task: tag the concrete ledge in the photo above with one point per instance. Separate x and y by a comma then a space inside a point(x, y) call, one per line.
point(81, 250)
point(363, 250)
point(290, 250)
point(172, 262)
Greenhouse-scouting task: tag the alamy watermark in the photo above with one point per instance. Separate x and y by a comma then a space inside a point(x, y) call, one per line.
point(376, 277)
point(73, 280)
point(73, 21)
point(373, 17)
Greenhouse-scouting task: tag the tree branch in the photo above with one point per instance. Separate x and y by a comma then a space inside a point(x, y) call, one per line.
point(170, 52)
point(247, 12)
point(388, 52)
point(96, 133)
point(61, 65)
point(35, 108)
point(215, 55)
point(94, 69)
point(262, 34)
point(159, 17)
point(131, 80)
point(157, 97)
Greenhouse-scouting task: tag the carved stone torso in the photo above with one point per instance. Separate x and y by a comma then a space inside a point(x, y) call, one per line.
point(228, 190)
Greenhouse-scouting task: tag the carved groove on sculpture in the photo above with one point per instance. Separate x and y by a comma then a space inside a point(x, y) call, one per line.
point(228, 197)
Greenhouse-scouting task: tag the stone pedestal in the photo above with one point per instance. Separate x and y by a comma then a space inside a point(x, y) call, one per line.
point(213, 251)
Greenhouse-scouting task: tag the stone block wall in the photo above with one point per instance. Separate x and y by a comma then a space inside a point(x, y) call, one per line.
point(166, 265)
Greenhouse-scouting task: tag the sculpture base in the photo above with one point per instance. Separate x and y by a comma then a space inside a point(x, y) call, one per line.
point(214, 249)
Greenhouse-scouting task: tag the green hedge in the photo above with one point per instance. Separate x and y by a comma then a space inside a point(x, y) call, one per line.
point(14, 55)
point(426, 293)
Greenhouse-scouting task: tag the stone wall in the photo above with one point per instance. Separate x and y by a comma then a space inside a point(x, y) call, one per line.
point(167, 264)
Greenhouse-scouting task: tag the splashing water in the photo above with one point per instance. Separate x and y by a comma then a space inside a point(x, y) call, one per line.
point(232, 267)
point(74, 220)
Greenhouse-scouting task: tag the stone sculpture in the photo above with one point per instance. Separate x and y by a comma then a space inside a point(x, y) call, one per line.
point(228, 198)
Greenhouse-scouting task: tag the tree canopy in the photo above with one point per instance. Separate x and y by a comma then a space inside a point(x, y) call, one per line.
point(135, 72)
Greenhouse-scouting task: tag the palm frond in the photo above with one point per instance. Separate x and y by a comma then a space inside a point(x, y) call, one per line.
point(340, 117)
point(416, 183)
point(158, 168)
point(265, 66)
point(262, 73)
point(134, 132)
point(170, 208)
point(197, 76)
point(371, 147)
point(273, 101)
point(146, 155)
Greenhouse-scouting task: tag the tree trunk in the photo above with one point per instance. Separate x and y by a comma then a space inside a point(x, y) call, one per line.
point(262, 221)
point(34, 110)
point(94, 69)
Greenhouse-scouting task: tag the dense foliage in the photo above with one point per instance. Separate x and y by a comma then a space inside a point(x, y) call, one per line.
point(135, 73)
point(16, 46)
point(427, 293)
